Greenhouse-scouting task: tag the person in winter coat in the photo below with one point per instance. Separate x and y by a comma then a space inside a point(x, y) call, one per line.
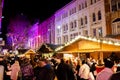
point(15, 68)
point(45, 71)
point(65, 71)
point(107, 72)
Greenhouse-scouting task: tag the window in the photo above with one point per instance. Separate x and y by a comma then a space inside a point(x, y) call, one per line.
point(99, 15)
point(1, 2)
point(75, 24)
point(58, 18)
point(94, 32)
point(79, 33)
point(63, 28)
point(58, 31)
point(66, 27)
point(94, 17)
point(85, 19)
point(94, 1)
point(91, 2)
point(115, 5)
point(65, 15)
point(71, 25)
point(65, 38)
point(119, 5)
point(79, 7)
point(71, 37)
point(100, 31)
point(118, 28)
point(81, 21)
point(114, 29)
point(85, 32)
point(85, 4)
point(59, 40)
point(70, 12)
point(82, 6)
point(74, 10)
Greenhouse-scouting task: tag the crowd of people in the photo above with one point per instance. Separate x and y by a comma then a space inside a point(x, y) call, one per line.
point(22, 68)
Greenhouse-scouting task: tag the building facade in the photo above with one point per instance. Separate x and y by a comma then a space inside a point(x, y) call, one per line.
point(93, 18)
point(43, 32)
point(47, 30)
point(113, 18)
point(33, 37)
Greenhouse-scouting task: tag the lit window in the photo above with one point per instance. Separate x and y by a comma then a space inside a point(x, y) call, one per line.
point(100, 31)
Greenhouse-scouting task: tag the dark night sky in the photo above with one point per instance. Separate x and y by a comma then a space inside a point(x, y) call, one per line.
point(33, 9)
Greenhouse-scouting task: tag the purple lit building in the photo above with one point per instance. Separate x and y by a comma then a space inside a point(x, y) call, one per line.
point(43, 33)
point(46, 30)
point(33, 37)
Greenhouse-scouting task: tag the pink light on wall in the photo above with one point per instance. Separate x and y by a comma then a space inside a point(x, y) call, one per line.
point(18, 27)
point(1, 7)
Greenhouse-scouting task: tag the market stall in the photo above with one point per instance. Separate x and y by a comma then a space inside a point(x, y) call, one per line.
point(98, 48)
point(47, 49)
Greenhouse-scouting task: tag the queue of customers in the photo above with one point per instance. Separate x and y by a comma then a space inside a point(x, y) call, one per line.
point(16, 68)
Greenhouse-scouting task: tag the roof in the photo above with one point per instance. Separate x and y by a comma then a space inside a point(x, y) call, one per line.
point(48, 48)
point(22, 51)
point(92, 43)
point(30, 51)
point(116, 20)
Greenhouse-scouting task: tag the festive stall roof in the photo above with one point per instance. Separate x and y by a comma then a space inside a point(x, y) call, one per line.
point(22, 51)
point(47, 48)
point(30, 51)
point(90, 44)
